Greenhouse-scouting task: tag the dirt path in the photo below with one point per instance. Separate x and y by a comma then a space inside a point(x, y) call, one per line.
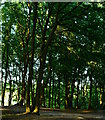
point(17, 113)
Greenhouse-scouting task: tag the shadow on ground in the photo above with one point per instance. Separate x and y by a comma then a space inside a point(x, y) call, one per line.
point(18, 113)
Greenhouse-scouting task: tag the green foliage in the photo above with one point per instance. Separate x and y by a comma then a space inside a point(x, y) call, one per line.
point(77, 47)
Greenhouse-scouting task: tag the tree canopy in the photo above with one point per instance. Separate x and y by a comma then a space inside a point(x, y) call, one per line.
point(53, 55)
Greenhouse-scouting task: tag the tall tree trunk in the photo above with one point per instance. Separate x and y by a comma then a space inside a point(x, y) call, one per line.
point(72, 92)
point(78, 94)
point(67, 92)
point(89, 105)
point(10, 95)
point(6, 67)
point(49, 93)
point(49, 81)
point(100, 96)
point(38, 90)
point(19, 87)
point(16, 86)
point(26, 57)
point(23, 84)
point(55, 96)
point(43, 53)
point(53, 90)
point(58, 99)
point(32, 57)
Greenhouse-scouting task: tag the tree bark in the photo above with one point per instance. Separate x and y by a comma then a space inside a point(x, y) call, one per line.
point(49, 93)
point(53, 89)
point(7, 60)
point(89, 105)
point(43, 53)
point(78, 94)
point(67, 92)
point(58, 99)
point(10, 95)
point(32, 58)
point(72, 92)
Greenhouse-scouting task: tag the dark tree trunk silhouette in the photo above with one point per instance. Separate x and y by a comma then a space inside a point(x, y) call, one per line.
point(28, 109)
point(7, 62)
point(10, 94)
point(89, 105)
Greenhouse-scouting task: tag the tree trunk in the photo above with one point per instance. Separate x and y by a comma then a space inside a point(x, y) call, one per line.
point(78, 94)
point(55, 96)
point(53, 90)
point(89, 105)
point(58, 99)
point(6, 75)
point(43, 53)
point(49, 81)
point(19, 87)
point(67, 92)
point(71, 97)
point(7, 37)
point(23, 84)
point(38, 90)
point(10, 95)
point(49, 93)
point(32, 57)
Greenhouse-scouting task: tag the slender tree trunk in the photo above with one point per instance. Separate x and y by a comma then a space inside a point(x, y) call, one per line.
point(58, 99)
point(26, 56)
point(44, 101)
point(83, 93)
point(6, 75)
point(89, 105)
point(19, 87)
point(100, 96)
point(53, 90)
point(10, 95)
point(67, 92)
point(96, 94)
point(16, 86)
point(55, 97)
point(78, 94)
point(71, 97)
point(50, 81)
point(23, 84)
point(49, 93)
point(7, 59)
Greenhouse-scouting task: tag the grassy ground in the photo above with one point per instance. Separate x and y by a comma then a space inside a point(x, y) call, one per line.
point(18, 113)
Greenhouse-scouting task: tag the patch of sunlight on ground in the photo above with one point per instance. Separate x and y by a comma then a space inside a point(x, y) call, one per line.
point(87, 111)
point(22, 114)
point(80, 118)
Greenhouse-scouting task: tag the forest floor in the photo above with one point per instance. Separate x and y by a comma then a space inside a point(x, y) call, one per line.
point(18, 113)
